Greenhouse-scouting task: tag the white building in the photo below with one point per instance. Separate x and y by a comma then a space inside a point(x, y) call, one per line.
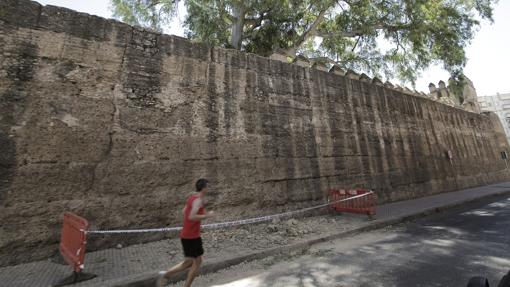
point(500, 104)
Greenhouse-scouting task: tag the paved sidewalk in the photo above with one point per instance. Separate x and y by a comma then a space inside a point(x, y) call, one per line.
point(136, 265)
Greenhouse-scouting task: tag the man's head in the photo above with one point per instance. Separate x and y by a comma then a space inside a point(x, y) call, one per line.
point(201, 185)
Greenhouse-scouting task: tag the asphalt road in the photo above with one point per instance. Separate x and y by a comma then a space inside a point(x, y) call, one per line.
point(443, 250)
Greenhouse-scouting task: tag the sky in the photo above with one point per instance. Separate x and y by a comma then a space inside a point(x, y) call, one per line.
point(488, 55)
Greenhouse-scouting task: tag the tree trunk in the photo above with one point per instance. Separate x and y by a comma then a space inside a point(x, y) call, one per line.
point(238, 27)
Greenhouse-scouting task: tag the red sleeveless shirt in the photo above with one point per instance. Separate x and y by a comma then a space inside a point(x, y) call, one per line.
point(191, 228)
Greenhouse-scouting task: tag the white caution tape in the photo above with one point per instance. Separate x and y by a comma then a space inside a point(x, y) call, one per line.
point(227, 223)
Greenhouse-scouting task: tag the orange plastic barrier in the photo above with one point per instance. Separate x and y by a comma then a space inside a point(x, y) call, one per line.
point(73, 240)
point(364, 205)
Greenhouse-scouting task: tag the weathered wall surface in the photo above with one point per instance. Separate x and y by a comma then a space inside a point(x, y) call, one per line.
point(116, 123)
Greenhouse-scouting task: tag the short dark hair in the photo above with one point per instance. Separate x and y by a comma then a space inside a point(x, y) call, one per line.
point(201, 184)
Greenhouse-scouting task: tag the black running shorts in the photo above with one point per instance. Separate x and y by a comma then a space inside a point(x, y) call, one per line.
point(192, 247)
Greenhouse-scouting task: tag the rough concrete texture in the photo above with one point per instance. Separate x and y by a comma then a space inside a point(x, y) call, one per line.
point(116, 123)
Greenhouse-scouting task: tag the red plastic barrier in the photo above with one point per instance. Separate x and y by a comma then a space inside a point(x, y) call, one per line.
point(364, 205)
point(73, 240)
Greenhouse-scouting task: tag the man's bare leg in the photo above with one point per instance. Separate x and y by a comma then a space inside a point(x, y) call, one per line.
point(187, 263)
point(193, 272)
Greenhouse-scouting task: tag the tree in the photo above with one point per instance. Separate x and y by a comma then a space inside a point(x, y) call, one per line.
point(397, 38)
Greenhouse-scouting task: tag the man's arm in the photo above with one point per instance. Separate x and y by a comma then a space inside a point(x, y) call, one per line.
point(195, 206)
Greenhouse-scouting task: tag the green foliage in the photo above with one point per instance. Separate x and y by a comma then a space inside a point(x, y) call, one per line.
point(394, 38)
point(208, 21)
point(146, 13)
point(456, 86)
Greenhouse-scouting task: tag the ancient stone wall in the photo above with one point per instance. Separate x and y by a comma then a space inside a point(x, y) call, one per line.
point(116, 123)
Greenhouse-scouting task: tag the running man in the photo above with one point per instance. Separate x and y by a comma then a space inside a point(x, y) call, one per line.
point(191, 241)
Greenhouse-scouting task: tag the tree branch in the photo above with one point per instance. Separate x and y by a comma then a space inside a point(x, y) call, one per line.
point(357, 33)
point(356, 44)
point(346, 34)
point(153, 3)
point(157, 2)
point(308, 33)
point(311, 31)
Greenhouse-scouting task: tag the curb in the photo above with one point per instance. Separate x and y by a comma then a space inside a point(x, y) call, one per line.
point(149, 279)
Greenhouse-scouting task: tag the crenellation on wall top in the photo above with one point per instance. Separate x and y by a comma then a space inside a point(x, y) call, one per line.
point(421, 94)
point(389, 85)
point(408, 91)
point(231, 57)
point(279, 56)
point(432, 88)
point(464, 98)
point(337, 70)
point(365, 78)
point(320, 66)
point(352, 75)
point(302, 61)
point(377, 81)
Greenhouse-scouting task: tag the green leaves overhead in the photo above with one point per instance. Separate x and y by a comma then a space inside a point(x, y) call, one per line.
point(147, 13)
point(394, 38)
